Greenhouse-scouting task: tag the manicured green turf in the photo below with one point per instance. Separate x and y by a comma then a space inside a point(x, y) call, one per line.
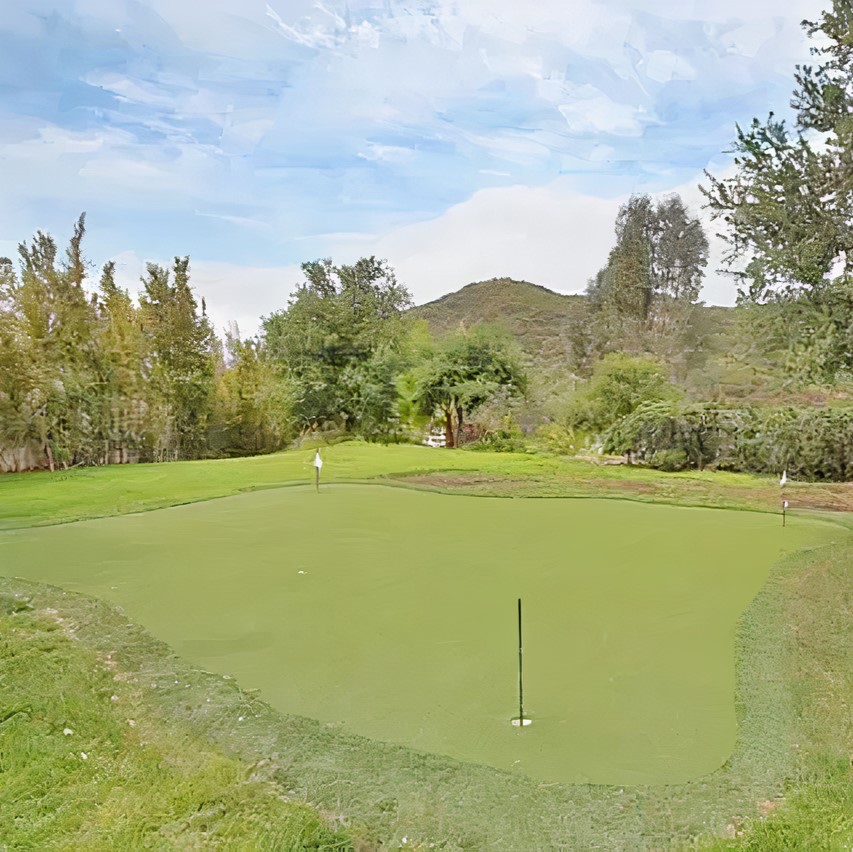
point(401, 626)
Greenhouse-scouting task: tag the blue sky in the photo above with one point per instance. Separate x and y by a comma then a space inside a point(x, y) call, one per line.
point(460, 139)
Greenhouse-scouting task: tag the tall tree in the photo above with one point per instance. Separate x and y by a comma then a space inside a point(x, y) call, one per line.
point(788, 210)
point(49, 321)
point(123, 361)
point(184, 356)
point(337, 340)
point(645, 292)
point(254, 400)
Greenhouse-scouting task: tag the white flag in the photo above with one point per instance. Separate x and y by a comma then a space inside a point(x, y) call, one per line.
point(318, 462)
point(785, 504)
point(784, 478)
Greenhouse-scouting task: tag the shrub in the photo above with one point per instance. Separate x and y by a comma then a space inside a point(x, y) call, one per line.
point(557, 439)
point(620, 384)
point(810, 443)
point(670, 460)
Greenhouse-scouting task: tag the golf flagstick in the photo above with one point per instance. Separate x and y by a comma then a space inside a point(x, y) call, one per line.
point(318, 466)
point(520, 721)
point(782, 482)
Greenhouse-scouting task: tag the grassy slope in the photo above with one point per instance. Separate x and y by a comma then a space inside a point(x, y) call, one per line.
point(88, 760)
point(395, 791)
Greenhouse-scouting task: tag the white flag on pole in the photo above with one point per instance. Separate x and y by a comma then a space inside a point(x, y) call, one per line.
point(784, 478)
point(318, 462)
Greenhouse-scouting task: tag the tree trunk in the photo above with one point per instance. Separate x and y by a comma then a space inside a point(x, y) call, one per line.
point(459, 413)
point(448, 428)
point(50, 461)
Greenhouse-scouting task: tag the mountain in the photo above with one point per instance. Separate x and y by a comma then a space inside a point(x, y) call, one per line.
point(545, 323)
point(553, 331)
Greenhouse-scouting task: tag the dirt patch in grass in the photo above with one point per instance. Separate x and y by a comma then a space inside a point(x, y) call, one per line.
point(836, 497)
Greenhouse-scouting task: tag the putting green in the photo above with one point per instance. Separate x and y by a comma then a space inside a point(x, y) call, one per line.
point(393, 612)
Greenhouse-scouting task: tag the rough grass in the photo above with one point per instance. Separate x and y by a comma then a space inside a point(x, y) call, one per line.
point(815, 807)
point(87, 761)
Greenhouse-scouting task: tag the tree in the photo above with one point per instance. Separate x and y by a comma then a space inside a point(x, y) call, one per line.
point(653, 274)
point(788, 209)
point(184, 353)
point(338, 340)
point(48, 321)
point(123, 351)
point(254, 401)
point(619, 385)
point(465, 371)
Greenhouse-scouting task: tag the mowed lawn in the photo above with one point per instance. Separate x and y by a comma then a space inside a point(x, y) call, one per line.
point(391, 612)
point(30, 499)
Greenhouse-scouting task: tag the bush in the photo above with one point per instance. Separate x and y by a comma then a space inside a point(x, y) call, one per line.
point(620, 384)
point(557, 439)
point(810, 443)
point(501, 441)
point(670, 460)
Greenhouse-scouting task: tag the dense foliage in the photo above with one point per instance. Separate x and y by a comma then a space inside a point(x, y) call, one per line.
point(90, 377)
point(340, 342)
point(619, 384)
point(788, 211)
point(809, 443)
point(642, 298)
point(467, 370)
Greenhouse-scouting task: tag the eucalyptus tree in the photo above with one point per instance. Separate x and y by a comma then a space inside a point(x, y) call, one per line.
point(124, 365)
point(646, 291)
point(254, 399)
point(183, 356)
point(48, 321)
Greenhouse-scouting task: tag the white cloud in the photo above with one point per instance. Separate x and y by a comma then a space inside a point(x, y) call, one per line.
point(386, 153)
point(316, 37)
point(664, 65)
point(547, 235)
point(243, 293)
point(593, 112)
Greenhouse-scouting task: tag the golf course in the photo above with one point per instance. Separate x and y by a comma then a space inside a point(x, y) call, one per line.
point(387, 613)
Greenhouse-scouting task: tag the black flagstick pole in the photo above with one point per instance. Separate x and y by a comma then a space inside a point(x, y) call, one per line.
point(520, 681)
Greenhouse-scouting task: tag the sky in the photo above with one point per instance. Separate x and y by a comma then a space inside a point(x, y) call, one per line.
point(459, 139)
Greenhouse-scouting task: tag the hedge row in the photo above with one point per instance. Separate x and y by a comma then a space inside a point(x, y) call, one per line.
point(811, 443)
